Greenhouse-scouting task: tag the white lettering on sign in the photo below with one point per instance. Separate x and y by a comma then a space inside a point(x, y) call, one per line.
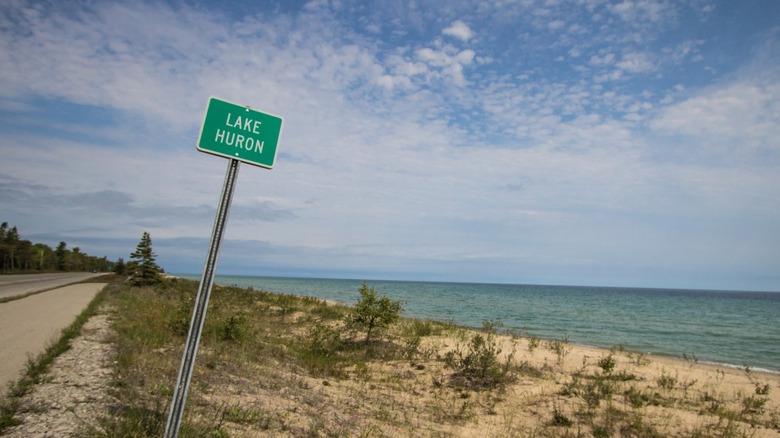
point(239, 141)
point(246, 124)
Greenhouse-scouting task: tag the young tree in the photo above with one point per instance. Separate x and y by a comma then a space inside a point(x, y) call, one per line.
point(374, 312)
point(143, 270)
point(43, 257)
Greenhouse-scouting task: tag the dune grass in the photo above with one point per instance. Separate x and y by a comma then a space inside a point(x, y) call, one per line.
point(282, 365)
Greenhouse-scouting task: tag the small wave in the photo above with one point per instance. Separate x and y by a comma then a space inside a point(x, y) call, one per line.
point(741, 367)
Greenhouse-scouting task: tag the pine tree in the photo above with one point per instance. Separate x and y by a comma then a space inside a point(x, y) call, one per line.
point(61, 253)
point(120, 267)
point(143, 270)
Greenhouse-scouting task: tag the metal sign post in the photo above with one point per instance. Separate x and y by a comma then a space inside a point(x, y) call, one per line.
point(201, 304)
point(240, 134)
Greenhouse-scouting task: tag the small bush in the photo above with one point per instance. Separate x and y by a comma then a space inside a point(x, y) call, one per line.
point(560, 419)
point(640, 359)
point(323, 340)
point(666, 381)
point(422, 328)
point(753, 405)
point(233, 328)
point(533, 343)
point(492, 327)
point(762, 389)
point(571, 388)
point(560, 347)
point(180, 320)
point(480, 367)
point(411, 347)
point(607, 364)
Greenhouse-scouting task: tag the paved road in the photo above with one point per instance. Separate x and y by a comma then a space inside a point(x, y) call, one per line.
point(11, 285)
point(29, 324)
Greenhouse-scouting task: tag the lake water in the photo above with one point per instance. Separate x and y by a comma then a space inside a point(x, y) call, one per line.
point(727, 327)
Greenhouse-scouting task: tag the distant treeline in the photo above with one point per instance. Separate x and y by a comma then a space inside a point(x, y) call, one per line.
point(20, 255)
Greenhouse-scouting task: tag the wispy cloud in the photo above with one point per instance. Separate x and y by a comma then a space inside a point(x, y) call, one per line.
point(459, 30)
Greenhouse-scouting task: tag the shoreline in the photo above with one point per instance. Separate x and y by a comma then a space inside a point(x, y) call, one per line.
point(659, 354)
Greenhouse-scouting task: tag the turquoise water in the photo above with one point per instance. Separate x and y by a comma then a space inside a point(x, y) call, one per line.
point(732, 328)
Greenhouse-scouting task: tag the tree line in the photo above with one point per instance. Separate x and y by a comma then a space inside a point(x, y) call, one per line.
point(21, 255)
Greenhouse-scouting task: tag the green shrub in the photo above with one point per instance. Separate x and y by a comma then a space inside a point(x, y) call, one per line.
point(666, 381)
point(762, 389)
point(533, 343)
point(233, 328)
point(323, 340)
point(480, 366)
point(560, 347)
point(607, 364)
point(422, 328)
point(181, 317)
point(753, 405)
point(560, 419)
point(374, 312)
point(411, 347)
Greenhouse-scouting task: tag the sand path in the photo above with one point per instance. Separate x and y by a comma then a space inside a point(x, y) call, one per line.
point(27, 325)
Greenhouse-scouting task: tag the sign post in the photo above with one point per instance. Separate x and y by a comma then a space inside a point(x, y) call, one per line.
point(240, 134)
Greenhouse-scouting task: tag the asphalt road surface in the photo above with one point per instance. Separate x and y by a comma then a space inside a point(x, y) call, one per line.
point(28, 325)
point(11, 285)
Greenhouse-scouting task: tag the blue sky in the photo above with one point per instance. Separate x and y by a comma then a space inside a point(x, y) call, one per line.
point(586, 142)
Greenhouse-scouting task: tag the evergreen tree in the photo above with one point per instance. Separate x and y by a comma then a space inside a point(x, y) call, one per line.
point(10, 242)
point(21, 255)
point(143, 270)
point(119, 267)
point(61, 254)
point(5, 249)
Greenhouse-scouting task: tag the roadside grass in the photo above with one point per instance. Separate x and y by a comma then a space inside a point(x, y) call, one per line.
point(37, 367)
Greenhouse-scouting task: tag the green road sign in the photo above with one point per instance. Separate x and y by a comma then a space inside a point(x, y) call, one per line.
point(239, 132)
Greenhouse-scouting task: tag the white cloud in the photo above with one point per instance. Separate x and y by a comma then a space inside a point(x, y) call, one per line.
point(446, 62)
point(641, 10)
point(459, 30)
point(636, 63)
point(556, 25)
point(614, 75)
point(744, 113)
point(606, 59)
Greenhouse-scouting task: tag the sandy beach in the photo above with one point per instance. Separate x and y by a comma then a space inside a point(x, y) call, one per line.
point(676, 395)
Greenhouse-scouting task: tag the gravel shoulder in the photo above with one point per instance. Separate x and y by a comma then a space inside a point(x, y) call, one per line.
point(74, 394)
